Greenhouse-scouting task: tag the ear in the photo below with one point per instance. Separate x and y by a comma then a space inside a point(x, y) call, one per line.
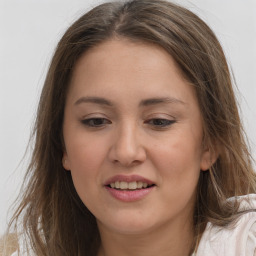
point(65, 162)
point(209, 157)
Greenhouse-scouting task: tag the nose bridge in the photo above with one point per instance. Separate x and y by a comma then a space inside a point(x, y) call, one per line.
point(126, 139)
point(127, 148)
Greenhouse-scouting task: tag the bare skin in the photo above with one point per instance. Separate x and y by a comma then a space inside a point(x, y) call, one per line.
point(162, 242)
point(130, 112)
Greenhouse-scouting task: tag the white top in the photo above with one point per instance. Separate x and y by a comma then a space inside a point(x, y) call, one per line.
point(239, 240)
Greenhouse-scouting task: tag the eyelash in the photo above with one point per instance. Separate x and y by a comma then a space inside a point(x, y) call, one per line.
point(161, 122)
point(88, 122)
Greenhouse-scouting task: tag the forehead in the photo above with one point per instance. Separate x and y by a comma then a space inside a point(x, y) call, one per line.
point(119, 66)
point(122, 51)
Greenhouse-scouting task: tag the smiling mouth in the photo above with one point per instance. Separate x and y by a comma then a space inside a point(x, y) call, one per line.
point(129, 186)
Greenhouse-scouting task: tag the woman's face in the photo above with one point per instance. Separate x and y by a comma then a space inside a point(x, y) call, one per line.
point(133, 137)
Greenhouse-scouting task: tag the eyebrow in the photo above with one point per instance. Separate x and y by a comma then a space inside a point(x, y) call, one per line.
point(96, 100)
point(146, 102)
point(155, 101)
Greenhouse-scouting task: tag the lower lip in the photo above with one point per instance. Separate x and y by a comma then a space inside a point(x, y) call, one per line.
point(129, 195)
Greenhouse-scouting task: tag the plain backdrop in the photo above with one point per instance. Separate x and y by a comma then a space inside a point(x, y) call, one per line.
point(29, 32)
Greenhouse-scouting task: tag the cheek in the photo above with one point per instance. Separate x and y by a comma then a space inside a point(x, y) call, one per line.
point(84, 172)
point(179, 168)
point(84, 153)
point(178, 161)
point(85, 158)
point(178, 151)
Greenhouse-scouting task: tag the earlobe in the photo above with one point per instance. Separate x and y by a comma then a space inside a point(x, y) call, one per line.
point(209, 157)
point(65, 162)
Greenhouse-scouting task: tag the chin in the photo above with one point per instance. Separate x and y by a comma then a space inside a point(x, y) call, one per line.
point(130, 224)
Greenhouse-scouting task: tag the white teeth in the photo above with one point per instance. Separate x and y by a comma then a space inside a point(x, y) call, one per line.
point(117, 185)
point(132, 185)
point(128, 185)
point(139, 184)
point(123, 185)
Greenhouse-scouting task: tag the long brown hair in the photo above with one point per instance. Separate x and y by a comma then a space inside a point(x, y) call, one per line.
point(54, 219)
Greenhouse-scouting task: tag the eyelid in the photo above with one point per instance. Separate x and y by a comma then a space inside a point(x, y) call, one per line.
point(160, 116)
point(87, 122)
point(94, 115)
point(160, 120)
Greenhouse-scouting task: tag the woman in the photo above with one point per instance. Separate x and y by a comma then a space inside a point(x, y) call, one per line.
point(139, 147)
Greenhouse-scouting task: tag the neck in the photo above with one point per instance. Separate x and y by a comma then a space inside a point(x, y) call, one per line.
point(175, 239)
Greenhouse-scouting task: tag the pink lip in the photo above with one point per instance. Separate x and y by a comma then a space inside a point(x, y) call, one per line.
point(129, 178)
point(129, 195)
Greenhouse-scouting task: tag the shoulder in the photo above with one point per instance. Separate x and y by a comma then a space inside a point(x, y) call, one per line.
point(8, 245)
point(239, 240)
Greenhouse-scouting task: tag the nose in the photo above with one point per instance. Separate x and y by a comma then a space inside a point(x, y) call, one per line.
point(127, 149)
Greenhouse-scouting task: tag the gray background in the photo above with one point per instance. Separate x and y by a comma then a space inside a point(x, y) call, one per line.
point(29, 31)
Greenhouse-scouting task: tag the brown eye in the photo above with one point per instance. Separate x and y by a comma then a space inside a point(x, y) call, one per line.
point(95, 122)
point(161, 122)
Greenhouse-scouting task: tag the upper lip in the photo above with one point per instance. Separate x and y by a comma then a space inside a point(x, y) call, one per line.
point(128, 178)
